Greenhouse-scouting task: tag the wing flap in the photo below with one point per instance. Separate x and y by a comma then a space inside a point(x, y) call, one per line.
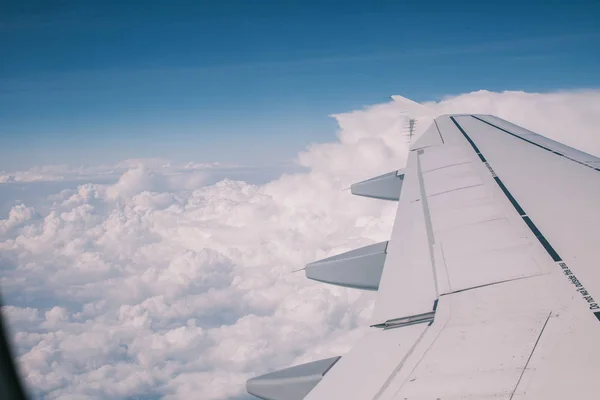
point(369, 365)
point(478, 236)
point(482, 342)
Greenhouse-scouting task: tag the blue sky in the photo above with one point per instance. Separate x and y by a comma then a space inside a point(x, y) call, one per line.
point(254, 81)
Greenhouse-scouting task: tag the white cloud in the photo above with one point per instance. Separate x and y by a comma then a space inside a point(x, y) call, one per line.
point(159, 285)
point(52, 173)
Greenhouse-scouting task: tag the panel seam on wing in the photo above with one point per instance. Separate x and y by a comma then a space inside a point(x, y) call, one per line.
point(530, 355)
point(493, 283)
point(448, 166)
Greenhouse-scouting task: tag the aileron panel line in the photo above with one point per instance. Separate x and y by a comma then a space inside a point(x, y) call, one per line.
point(592, 304)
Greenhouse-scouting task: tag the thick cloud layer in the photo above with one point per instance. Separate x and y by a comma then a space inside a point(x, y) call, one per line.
point(156, 286)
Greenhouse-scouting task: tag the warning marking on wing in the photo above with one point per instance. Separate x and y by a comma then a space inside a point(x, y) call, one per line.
point(579, 286)
point(487, 164)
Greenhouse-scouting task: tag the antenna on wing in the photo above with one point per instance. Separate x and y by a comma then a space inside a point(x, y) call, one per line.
point(410, 128)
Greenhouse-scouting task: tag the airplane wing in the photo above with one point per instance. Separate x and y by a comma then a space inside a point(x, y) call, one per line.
point(489, 287)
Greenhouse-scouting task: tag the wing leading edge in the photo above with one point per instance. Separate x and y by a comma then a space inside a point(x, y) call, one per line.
point(488, 282)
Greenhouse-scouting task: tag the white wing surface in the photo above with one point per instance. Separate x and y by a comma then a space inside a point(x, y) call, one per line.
point(489, 286)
